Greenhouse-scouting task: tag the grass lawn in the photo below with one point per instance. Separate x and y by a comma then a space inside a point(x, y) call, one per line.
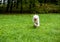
point(19, 28)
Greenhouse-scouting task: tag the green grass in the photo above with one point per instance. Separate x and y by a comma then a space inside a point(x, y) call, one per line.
point(19, 28)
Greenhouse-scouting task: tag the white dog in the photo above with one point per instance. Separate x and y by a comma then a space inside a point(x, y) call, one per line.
point(36, 20)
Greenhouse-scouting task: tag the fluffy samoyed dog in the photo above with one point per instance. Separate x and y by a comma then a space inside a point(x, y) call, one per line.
point(36, 20)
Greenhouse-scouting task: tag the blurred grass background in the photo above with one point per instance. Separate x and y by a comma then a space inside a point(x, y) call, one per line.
point(19, 28)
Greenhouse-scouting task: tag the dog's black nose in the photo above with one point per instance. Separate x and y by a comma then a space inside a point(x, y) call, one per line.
point(35, 19)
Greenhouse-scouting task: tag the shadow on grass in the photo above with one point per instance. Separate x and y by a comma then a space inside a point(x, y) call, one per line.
point(32, 27)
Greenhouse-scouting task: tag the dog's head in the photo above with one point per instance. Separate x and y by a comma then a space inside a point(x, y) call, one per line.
point(36, 17)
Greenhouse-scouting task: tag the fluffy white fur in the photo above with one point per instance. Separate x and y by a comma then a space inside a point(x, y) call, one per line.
point(36, 20)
